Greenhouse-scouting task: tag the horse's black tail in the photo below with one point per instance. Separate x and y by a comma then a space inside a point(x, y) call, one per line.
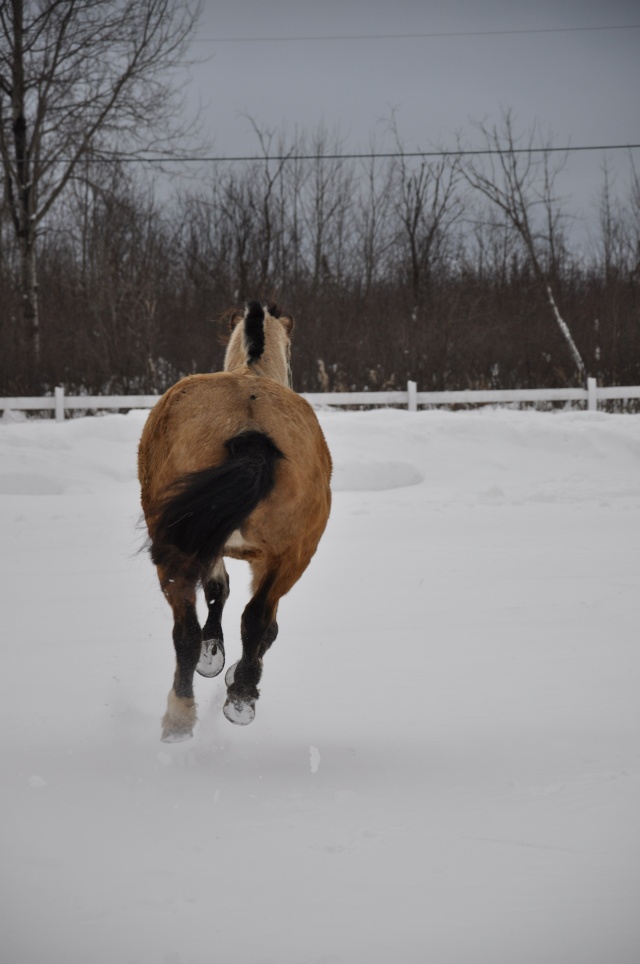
point(204, 508)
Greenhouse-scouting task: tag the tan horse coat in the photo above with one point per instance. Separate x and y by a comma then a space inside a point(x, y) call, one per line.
point(186, 433)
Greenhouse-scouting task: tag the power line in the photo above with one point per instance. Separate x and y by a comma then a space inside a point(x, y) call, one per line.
point(417, 35)
point(172, 159)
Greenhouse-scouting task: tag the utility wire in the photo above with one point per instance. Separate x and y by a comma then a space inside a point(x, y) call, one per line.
point(412, 36)
point(163, 159)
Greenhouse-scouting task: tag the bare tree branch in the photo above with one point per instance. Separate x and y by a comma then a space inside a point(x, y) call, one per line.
point(78, 76)
point(510, 179)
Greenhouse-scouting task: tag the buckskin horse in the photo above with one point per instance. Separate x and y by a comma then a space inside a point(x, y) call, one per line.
point(232, 463)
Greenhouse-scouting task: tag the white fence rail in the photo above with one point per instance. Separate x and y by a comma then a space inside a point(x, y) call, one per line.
point(59, 403)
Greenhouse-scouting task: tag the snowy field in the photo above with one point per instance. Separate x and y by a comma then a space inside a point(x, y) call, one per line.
point(444, 765)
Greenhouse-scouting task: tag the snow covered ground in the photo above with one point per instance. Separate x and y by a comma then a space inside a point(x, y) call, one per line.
point(444, 765)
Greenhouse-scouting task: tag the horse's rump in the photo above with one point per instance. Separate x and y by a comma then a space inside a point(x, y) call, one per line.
point(227, 452)
point(204, 508)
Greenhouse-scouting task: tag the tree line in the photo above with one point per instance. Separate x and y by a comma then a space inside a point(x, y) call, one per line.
point(457, 271)
point(395, 268)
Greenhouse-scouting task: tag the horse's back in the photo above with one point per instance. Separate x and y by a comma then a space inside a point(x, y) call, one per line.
point(187, 431)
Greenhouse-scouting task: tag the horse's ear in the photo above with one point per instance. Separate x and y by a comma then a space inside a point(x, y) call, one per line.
point(287, 323)
point(226, 323)
point(231, 318)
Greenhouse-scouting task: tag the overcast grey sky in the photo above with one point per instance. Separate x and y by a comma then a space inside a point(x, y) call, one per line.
point(582, 87)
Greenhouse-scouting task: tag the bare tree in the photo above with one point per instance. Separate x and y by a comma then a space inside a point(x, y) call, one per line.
point(614, 234)
point(326, 200)
point(79, 78)
point(634, 216)
point(373, 225)
point(520, 181)
point(427, 204)
point(272, 205)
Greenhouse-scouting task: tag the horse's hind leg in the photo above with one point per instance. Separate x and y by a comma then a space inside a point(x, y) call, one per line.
point(216, 591)
point(259, 629)
point(179, 720)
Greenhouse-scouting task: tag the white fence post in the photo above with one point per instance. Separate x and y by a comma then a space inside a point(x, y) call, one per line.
point(592, 395)
point(412, 392)
point(59, 396)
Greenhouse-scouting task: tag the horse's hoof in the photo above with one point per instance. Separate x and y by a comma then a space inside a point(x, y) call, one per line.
point(211, 660)
point(175, 736)
point(230, 675)
point(239, 711)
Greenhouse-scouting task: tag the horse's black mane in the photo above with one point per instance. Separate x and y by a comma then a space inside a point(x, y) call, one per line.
point(254, 328)
point(254, 331)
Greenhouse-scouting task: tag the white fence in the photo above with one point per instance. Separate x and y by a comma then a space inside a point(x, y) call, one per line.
point(411, 398)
